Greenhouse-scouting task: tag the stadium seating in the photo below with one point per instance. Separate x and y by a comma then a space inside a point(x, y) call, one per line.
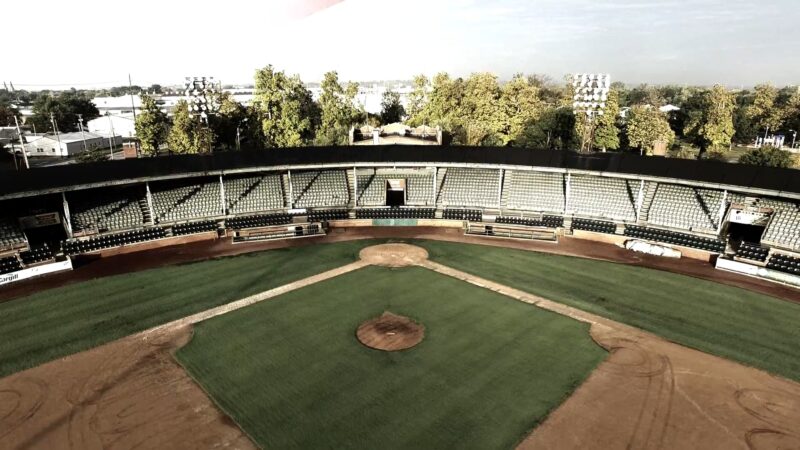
point(395, 213)
point(112, 240)
point(472, 215)
point(784, 263)
point(783, 229)
point(470, 187)
point(251, 194)
point(612, 198)
point(685, 207)
point(328, 214)
point(194, 228)
point(597, 226)
point(10, 234)
point(753, 252)
point(320, 188)
point(672, 237)
point(534, 191)
point(176, 201)
point(239, 223)
point(106, 209)
point(36, 255)
point(545, 221)
point(372, 187)
point(9, 264)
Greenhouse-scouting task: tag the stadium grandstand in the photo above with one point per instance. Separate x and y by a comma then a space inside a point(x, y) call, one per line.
point(744, 214)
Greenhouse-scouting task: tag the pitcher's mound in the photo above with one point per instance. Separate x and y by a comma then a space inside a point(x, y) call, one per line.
point(390, 332)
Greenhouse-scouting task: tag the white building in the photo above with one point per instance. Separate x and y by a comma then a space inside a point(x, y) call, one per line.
point(69, 144)
point(116, 125)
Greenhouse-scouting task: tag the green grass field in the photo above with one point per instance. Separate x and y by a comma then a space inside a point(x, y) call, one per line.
point(741, 325)
point(291, 372)
point(62, 321)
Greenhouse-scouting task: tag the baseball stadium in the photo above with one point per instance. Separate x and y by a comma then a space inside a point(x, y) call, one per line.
point(400, 297)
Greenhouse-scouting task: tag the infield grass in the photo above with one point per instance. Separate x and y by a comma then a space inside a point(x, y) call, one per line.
point(62, 321)
point(291, 372)
point(752, 328)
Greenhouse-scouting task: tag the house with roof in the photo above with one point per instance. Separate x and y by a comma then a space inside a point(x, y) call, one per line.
point(69, 144)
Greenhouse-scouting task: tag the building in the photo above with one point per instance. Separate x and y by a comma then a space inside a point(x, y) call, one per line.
point(69, 144)
point(116, 125)
point(396, 133)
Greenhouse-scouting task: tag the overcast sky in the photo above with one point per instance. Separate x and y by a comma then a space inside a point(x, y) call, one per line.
point(85, 43)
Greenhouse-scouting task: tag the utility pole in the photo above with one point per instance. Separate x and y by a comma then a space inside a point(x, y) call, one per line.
point(83, 135)
point(133, 107)
point(24, 153)
point(113, 137)
point(55, 130)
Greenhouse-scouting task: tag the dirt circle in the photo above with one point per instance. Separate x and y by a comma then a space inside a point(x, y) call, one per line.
point(390, 332)
point(394, 255)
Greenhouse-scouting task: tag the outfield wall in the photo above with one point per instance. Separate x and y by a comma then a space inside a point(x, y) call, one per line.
point(36, 271)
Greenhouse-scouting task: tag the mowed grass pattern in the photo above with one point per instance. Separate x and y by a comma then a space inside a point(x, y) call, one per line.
point(62, 321)
point(755, 329)
point(291, 372)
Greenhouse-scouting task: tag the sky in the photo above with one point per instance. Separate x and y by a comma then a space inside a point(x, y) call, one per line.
point(97, 43)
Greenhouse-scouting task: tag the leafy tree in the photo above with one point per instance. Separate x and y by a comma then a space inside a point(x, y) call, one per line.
point(152, 126)
point(391, 109)
point(768, 156)
point(645, 95)
point(338, 111)
point(555, 130)
point(444, 105)
point(521, 105)
point(7, 114)
point(154, 88)
point(483, 114)
point(284, 108)
point(646, 126)
point(792, 113)
point(709, 119)
point(606, 133)
point(65, 108)
point(188, 134)
point(230, 116)
point(93, 156)
point(763, 112)
point(417, 100)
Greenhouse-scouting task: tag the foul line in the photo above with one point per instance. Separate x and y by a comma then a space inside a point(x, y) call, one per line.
point(253, 299)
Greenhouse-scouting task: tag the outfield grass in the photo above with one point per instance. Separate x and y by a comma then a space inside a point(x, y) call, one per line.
point(292, 374)
point(66, 320)
point(741, 325)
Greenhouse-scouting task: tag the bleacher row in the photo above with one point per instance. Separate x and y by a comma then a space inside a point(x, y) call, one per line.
point(666, 211)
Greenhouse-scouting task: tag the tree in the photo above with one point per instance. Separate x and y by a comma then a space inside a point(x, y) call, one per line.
point(768, 156)
point(709, 119)
point(284, 108)
point(417, 100)
point(482, 113)
point(645, 95)
point(65, 108)
point(152, 126)
point(391, 109)
point(188, 134)
point(555, 129)
point(154, 88)
point(444, 105)
point(338, 111)
point(521, 106)
point(7, 114)
point(792, 114)
point(230, 117)
point(763, 112)
point(646, 126)
point(606, 133)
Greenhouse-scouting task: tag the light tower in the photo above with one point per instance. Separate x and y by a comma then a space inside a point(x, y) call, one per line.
point(589, 101)
point(202, 94)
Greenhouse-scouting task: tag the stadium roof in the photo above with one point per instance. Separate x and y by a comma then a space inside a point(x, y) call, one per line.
point(764, 180)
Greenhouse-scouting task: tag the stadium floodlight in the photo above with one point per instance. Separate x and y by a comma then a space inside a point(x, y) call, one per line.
point(590, 96)
point(201, 92)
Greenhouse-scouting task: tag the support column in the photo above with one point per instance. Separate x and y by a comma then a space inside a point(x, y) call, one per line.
point(291, 191)
point(500, 188)
point(721, 215)
point(222, 196)
point(355, 188)
point(149, 198)
point(435, 178)
point(639, 200)
point(67, 217)
point(566, 193)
